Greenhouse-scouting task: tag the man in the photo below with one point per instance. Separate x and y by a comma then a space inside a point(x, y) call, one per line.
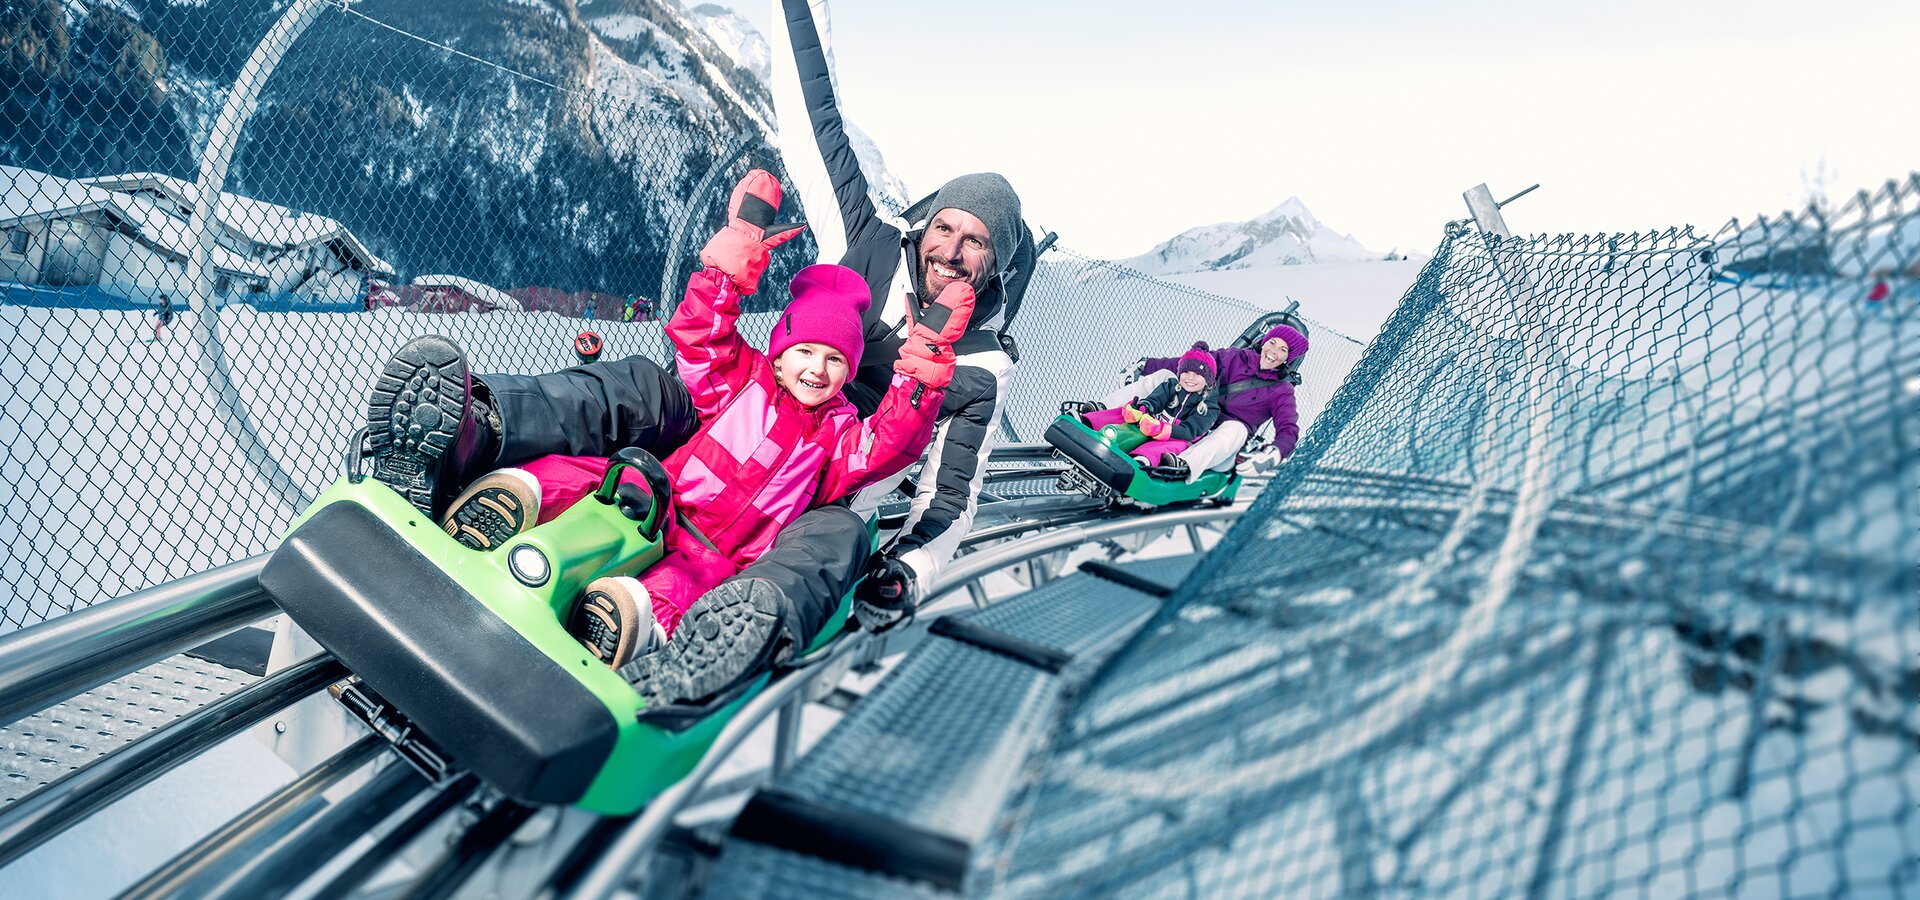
point(435, 427)
point(969, 230)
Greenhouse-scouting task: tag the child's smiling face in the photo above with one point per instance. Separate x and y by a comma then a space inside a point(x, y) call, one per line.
point(812, 372)
point(1193, 382)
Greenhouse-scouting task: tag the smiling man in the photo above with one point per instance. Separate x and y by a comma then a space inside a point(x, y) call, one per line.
point(969, 230)
point(435, 426)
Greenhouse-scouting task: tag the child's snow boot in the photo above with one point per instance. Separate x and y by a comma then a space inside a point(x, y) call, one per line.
point(736, 630)
point(501, 504)
point(615, 620)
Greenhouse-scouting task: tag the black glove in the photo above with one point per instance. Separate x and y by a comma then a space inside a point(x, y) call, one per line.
point(889, 585)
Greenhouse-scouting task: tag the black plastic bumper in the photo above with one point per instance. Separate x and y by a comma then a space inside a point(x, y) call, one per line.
point(1113, 468)
point(498, 705)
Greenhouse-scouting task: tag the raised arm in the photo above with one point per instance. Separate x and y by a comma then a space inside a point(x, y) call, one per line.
point(714, 361)
point(887, 442)
point(822, 169)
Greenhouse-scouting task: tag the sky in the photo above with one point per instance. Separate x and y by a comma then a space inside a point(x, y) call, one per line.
point(1125, 122)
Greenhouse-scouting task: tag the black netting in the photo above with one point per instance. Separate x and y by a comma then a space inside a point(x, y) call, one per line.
point(490, 170)
point(1596, 577)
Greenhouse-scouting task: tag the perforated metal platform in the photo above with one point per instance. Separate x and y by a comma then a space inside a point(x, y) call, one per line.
point(900, 794)
point(42, 748)
point(753, 871)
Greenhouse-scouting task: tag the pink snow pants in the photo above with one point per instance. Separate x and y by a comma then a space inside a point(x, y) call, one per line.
point(689, 569)
point(1148, 452)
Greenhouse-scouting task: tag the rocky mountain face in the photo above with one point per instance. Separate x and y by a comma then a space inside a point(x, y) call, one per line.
point(1288, 234)
point(578, 173)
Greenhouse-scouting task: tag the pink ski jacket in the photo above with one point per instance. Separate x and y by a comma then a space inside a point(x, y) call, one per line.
point(760, 459)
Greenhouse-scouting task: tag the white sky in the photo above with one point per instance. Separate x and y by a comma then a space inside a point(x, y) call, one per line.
point(1125, 122)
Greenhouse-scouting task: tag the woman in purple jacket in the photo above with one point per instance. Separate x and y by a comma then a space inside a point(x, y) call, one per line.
point(1256, 387)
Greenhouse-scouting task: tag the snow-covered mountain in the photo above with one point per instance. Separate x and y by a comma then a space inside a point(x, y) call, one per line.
point(575, 176)
point(747, 47)
point(1288, 234)
point(735, 37)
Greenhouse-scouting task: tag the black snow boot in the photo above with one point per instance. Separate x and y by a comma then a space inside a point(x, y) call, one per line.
point(425, 423)
point(735, 631)
point(1171, 468)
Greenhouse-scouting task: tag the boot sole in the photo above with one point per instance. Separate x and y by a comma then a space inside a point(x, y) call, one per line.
point(734, 627)
point(487, 520)
point(599, 622)
point(413, 415)
point(494, 509)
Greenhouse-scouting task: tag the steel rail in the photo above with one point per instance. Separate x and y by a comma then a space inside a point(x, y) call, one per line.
point(191, 872)
point(45, 813)
point(59, 658)
point(50, 661)
point(284, 864)
point(979, 565)
point(45, 663)
point(349, 880)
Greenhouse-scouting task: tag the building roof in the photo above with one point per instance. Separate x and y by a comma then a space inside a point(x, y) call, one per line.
point(37, 196)
point(485, 293)
point(262, 223)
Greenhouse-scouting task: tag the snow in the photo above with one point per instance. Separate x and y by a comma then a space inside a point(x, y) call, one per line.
point(1285, 235)
point(259, 221)
point(886, 187)
point(492, 296)
point(736, 37)
point(623, 26)
point(1352, 298)
point(619, 78)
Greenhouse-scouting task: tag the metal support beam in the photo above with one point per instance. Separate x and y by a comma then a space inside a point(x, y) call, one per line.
point(222, 138)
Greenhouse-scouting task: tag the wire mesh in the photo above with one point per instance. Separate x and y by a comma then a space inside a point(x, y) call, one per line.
point(1596, 577)
point(492, 171)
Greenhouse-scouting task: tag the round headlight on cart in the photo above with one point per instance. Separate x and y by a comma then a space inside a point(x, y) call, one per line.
point(529, 565)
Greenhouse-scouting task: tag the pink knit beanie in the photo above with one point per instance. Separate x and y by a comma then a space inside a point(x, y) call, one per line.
point(1296, 342)
point(828, 302)
point(1199, 360)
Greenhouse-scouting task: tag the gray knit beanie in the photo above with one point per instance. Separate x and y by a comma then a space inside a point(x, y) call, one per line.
point(988, 196)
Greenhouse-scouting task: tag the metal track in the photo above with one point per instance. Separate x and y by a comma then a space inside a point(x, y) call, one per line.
point(285, 840)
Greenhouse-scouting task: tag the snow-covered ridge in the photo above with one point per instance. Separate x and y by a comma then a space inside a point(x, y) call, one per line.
point(1288, 234)
point(735, 37)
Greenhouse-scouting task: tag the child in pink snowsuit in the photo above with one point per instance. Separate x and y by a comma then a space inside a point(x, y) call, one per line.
point(775, 439)
point(1175, 414)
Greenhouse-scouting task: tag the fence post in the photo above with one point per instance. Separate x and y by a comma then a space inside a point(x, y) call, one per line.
point(670, 288)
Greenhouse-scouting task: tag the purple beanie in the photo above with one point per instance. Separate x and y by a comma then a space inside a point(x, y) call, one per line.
point(1296, 342)
point(828, 302)
point(1198, 360)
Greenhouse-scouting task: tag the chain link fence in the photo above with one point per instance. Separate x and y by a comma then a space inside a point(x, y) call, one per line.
point(1595, 578)
point(495, 172)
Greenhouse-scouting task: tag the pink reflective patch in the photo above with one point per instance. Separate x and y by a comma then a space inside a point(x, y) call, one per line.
point(789, 490)
point(743, 426)
point(697, 484)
